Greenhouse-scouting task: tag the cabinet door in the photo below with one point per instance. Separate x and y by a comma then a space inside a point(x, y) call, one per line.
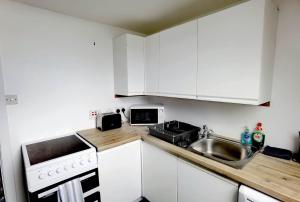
point(197, 185)
point(230, 52)
point(135, 64)
point(178, 61)
point(151, 64)
point(120, 173)
point(159, 174)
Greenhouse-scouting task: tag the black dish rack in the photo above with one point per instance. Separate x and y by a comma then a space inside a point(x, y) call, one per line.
point(176, 132)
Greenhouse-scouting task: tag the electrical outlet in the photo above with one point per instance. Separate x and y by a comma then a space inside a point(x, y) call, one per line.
point(11, 99)
point(118, 109)
point(93, 114)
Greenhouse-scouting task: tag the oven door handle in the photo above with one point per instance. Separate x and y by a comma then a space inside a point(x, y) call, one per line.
point(49, 194)
point(55, 189)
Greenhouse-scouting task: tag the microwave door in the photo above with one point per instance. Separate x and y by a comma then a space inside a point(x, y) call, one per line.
point(144, 116)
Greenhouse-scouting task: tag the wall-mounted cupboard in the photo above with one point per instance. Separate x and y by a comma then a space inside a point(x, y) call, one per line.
point(227, 56)
point(178, 61)
point(129, 61)
point(236, 53)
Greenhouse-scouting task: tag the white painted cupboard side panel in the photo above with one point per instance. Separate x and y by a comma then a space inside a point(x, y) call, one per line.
point(120, 65)
point(136, 64)
point(269, 47)
point(152, 64)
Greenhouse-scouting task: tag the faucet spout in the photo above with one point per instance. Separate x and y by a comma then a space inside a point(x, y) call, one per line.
point(206, 132)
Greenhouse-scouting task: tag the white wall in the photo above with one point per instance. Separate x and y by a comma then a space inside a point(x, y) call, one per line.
point(281, 120)
point(50, 62)
point(6, 161)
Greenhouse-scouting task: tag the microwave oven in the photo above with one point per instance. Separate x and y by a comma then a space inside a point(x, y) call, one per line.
point(147, 114)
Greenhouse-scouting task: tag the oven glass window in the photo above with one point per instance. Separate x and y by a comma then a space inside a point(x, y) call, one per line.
point(144, 116)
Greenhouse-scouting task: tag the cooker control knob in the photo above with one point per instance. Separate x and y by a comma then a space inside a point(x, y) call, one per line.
point(42, 176)
point(51, 172)
point(82, 162)
point(66, 167)
point(91, 160)
point(58, 170)
point(74, 165)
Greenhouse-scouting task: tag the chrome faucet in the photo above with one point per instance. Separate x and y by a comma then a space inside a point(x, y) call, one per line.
point(206, 132)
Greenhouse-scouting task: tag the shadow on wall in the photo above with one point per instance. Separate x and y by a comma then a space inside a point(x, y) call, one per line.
point(281, 120)
point(229, 119)
point(5, 148)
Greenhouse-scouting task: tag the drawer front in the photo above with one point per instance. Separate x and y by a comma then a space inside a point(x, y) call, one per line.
point(95, 197)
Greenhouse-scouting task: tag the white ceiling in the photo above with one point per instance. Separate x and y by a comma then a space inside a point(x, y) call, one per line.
point(144, 16)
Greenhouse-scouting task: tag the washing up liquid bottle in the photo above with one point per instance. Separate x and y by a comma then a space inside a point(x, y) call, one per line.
point(246, 138)
point(258, 137)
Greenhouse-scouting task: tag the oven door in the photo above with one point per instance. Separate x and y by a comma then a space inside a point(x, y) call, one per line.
point(144, 116)
point(2, 196)
point(89, 183)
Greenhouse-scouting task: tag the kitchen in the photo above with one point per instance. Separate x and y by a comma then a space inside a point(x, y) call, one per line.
point(62, 67)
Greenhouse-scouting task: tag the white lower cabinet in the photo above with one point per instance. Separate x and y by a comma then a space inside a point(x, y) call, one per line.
point(161, 177)
point(199, 185)
point(120, 173)
point(159, 174)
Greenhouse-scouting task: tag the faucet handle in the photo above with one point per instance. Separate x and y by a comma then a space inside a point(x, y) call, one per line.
point(210, 132)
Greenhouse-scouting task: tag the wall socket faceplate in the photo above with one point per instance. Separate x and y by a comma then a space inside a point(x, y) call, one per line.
point(11, 99)
point(118, 108)
point(93, 114)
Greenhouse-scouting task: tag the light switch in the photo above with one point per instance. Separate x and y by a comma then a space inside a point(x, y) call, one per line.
point(11, 99)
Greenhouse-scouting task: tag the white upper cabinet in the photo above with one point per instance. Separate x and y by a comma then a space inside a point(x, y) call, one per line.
point(129, 65)
point(236, 53)
point(178, 61)
point(151, 64)
point(227, 56)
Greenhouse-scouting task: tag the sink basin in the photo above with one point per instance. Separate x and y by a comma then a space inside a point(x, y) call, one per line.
point(226, 151)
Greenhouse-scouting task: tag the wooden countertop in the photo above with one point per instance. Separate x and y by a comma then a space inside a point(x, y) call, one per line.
point(112, 138)
point(275, 177)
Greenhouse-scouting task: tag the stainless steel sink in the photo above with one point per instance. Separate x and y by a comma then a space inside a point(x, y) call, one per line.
point(226, 151)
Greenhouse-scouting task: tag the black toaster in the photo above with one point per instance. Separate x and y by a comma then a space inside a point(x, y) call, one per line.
point(108, 121)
